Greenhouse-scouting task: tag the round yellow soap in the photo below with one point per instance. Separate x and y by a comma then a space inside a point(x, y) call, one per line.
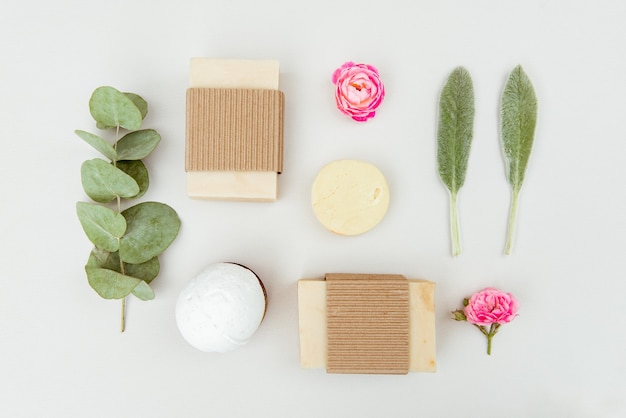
point(350, 197)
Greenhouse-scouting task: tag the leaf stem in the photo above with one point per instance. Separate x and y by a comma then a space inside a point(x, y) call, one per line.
point(123, 322)
point(454, 226)
point(512, 220)
point(119, 210)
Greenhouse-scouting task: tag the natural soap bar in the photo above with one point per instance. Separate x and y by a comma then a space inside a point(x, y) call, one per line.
point(313, 323)
point(349, 197)
point(234, 129)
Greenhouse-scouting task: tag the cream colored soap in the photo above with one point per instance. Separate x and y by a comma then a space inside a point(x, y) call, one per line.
point(231, 185)
point(312, 324)
point(234, 73)
point(350, 197)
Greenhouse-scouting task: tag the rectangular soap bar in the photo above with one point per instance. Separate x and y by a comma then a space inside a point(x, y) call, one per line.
point(313, 323)
point(233, 185)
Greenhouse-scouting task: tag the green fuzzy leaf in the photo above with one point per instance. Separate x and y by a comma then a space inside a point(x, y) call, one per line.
point(152, 227)
point(454, 140)
point(138, 171)
point(103, 227)
point(138, 144)
point(143, 291)
point(141, 104)
point(110, 284)
point(103, 182)
point(518, 120)
point(100, 144)
point(517, 130)
point(456, 124)
point(147, 271)
point(111, 108)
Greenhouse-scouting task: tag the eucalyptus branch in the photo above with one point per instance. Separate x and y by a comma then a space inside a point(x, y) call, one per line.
point(127, 242)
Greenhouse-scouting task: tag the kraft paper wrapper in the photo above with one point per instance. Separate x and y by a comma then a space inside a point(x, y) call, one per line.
point(368, 323)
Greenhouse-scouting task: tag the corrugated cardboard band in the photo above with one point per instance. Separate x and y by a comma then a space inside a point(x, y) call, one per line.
point(367, 323)
point(234, 130)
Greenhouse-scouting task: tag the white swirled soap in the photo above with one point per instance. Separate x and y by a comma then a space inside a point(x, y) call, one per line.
point(221, 308)
point(349, 197)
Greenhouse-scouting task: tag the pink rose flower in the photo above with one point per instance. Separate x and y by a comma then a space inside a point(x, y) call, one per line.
point(491, 306)
point(359, 90)
point(488, 308)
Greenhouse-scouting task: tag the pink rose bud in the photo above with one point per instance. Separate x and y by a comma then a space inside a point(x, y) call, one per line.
point(459, 315)
point(491, 306)
point(359, 90)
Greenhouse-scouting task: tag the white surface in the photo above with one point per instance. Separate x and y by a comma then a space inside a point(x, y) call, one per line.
point(221, 308)
point(61, 351)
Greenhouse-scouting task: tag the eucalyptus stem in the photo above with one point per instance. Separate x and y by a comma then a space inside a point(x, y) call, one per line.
point(454, 226)
point(512, 220)
point(119, 210)
point(123, 322)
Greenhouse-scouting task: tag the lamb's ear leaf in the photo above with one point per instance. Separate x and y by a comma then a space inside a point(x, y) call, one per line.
point(517, 131)
point(138, 144)
point(100, 144)
point(103, 226)
point(152, 227)
point(517, 125)
point(456, 128)
point(141, 104)
point(110, 284)
point(103, 182)
point(111, 108)
point(454, 140)
point(138, 171)
point(143, 291)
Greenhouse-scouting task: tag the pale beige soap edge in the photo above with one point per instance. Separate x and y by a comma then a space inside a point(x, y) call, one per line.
point(312, 324)
point(233, 185)
point(233, 73)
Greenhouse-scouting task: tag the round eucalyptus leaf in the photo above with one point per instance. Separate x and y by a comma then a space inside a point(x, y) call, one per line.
point(141, 104)
point(143, 291)
point(103, 182)
point(110, 284)
point(98, 258)
point(137, 144)
point(152, 227)
point(100, 144)
point(111, 108)
point(147, 271)
point(102, 226)
point(138, 171)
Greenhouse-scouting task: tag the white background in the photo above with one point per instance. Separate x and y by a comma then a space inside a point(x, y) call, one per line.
point(61, 352)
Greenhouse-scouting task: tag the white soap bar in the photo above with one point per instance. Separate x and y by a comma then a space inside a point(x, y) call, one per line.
point(312, 324)
point(233, 185)
point(349, 197)
point(221, 308)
